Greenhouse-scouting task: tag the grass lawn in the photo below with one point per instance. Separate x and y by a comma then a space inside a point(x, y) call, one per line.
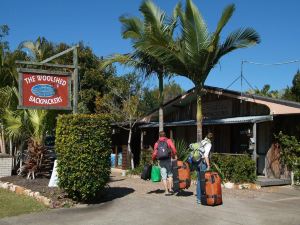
point(12, 204)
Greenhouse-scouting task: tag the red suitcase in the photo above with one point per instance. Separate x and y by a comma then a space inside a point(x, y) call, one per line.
point(211, 191)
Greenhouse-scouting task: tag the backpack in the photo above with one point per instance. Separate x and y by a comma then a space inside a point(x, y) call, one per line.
point(197, 151)
point(163, 150)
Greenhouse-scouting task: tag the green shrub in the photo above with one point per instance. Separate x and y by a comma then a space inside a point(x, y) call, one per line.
point(146, 157)
point(297, 176)
point(234, 168)
point(83, 147)
point(290, 153)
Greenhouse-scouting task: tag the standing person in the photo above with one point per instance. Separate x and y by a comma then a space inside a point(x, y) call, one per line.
point(204, 164)
point(164, 151)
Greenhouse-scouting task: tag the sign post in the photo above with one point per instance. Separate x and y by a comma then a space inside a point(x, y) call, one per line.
point(75, 80)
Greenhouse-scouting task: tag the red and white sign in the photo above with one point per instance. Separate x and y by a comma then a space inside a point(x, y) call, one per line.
point(40, 90)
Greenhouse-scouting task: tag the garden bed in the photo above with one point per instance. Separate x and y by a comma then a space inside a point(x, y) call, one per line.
point(57, 197)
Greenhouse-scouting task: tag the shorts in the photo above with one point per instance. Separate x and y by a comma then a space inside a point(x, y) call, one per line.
point(165, 169)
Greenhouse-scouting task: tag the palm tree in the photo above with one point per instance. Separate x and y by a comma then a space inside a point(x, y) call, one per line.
point(40, 49)
point(8, 86)
point(155, 21)
point(28, 125)
point(196, 51)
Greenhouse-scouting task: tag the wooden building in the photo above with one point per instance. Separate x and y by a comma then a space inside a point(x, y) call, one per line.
point(240, 122)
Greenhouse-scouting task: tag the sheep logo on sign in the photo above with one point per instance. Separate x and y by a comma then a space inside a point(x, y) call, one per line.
point(43, 90)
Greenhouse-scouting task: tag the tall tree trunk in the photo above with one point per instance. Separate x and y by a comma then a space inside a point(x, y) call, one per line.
point(1, 144)
point(199, 115)
point(2, 140)
point(10, 147)
point(161, 102)
point(129, 145)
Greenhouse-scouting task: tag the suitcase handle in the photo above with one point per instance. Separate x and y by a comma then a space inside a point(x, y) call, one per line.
point(212, 180)
point(179, 167)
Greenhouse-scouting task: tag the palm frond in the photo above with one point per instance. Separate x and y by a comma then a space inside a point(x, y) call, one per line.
point(240, 38)
point(40, 49)
point(124, 59)
point(27, 44)
point(31, 46)
point(195, 37)
point(182, 150)
point(37, 120)
point(163, 54)
point(177, 10)
point(13, 124)
point(226, 15)
point(131, 27)
point(9, 98)
point(194, 27)
point(153, 17)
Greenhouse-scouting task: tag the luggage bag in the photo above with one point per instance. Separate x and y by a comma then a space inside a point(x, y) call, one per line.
point(181, 175)
point(155, 174)
point(146, 174)
point(211, 191)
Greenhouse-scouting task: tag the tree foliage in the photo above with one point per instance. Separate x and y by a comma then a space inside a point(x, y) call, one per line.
point(154, 21)
point(293, 93)
point(150, 99)
point(266, 91)
point(18, 125)
point(195, 51)
point(290, 153)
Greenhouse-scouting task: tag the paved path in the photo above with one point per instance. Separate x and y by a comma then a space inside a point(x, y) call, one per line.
point(135, 202)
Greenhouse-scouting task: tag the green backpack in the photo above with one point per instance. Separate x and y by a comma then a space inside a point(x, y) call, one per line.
point(197, 150)
point(155, 174)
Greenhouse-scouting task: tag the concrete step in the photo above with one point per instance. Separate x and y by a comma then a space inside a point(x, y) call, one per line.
point(265, 182)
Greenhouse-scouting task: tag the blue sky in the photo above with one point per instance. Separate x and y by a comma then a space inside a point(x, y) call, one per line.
point(96, 24)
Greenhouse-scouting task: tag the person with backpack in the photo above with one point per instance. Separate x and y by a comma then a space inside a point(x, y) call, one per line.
point(199, 157)
point(164, 151)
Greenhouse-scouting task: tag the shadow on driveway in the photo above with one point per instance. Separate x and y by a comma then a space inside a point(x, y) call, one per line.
point(157, 191)
point(112, 193)
point(184, 193)
point(179, 194)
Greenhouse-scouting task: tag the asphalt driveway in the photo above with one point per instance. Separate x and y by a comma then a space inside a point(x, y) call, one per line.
point(136, 202)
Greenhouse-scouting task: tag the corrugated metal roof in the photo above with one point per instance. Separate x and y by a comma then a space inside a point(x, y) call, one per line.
point(233, 120)
point(276, 106)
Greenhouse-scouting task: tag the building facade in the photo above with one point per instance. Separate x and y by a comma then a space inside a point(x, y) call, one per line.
point(241, 123)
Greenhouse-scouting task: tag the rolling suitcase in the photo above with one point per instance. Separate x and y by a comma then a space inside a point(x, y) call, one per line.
point(146, 174)
point(181, 175)
point(211, 191)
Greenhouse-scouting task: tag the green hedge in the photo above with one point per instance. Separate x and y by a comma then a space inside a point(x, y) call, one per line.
point(234, 168)
point(83, 147)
